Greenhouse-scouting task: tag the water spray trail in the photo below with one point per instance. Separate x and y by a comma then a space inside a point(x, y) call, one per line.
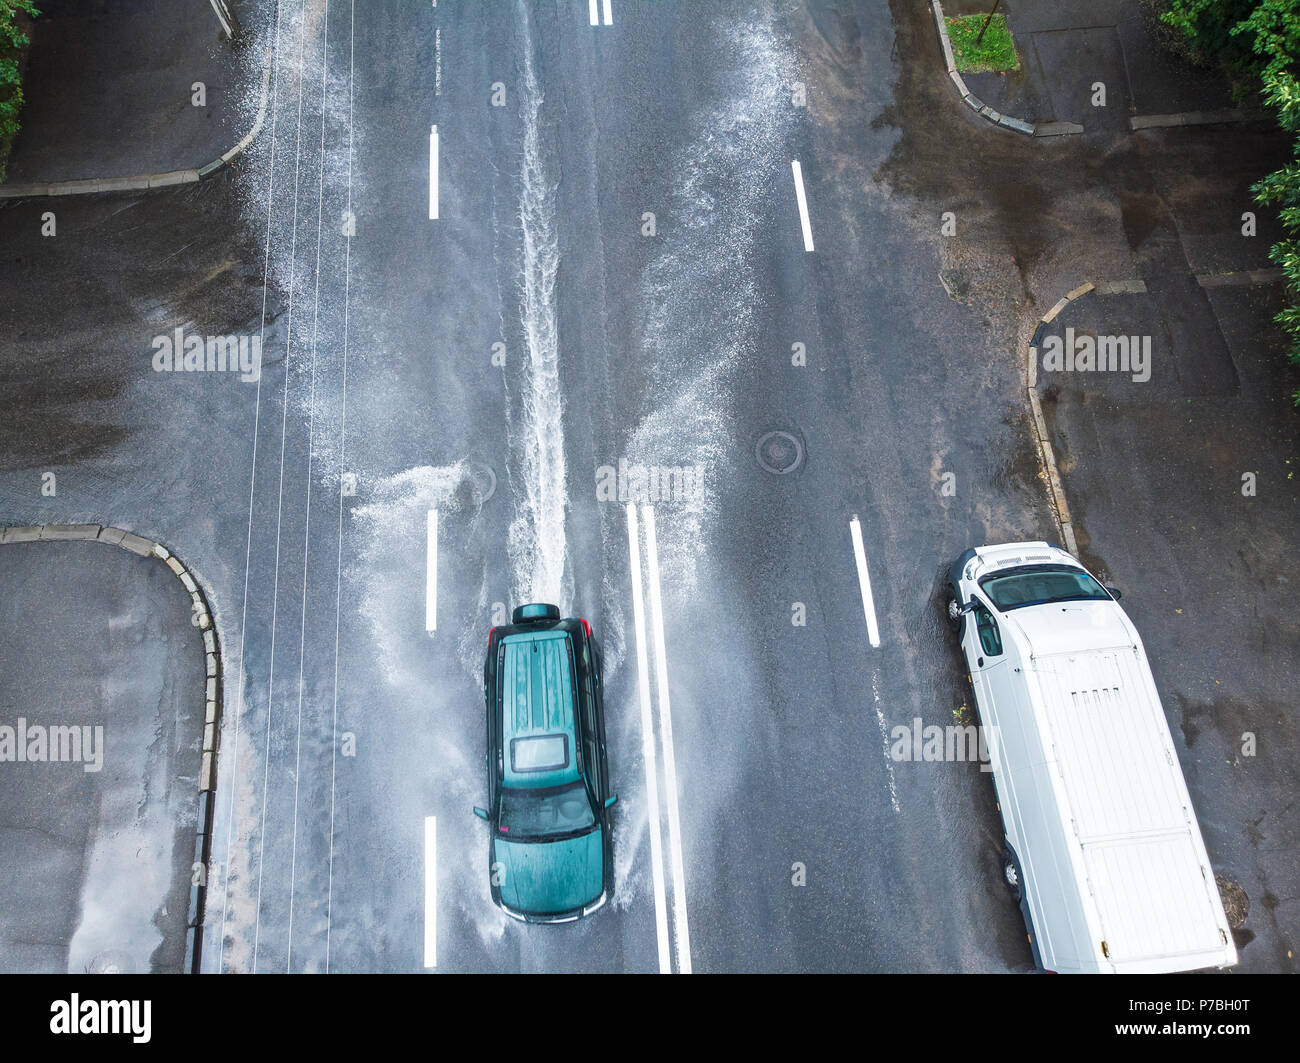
point(537, 535)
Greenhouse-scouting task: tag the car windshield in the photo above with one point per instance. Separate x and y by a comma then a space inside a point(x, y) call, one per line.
point(1041, 585)
point(540, 813)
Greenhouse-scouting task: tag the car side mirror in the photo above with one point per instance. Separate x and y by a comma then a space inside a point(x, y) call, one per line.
point(969, 607)
point(1114, 593)
point(610, 802)
point(480, 812)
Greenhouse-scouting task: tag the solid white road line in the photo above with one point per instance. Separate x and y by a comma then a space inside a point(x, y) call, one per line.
point(595, 13)
point(431, 573)
point(433, 174)
point(609, 14)
point(648, 744)
point(864, 581)
point(803, 205)
point(681, 927)
point(279, 512)
point(311, 436)
point(430, 891)
point(252, 484)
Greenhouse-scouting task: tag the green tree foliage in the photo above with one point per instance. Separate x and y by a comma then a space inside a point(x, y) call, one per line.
point(11, 44)
point(1259, 41)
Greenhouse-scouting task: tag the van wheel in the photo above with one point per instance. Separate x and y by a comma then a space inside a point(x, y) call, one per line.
point(952, 609)
point(1011, 875)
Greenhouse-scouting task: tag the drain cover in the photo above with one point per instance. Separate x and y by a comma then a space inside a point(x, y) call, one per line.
point(779, 452)
point(111, 962)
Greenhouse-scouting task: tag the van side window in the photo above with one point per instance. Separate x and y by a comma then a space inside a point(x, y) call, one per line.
point(990, 637)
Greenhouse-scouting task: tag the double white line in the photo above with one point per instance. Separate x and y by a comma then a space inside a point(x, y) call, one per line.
point(680, 928)
point(609, 14)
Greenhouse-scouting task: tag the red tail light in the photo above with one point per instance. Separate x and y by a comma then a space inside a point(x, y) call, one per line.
point(587, 628)
point(490, 630)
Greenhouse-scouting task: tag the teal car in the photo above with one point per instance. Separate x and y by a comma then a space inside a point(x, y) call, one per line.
point(549, 803)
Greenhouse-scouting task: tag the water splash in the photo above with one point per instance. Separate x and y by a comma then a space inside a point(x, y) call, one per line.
point(536, 540)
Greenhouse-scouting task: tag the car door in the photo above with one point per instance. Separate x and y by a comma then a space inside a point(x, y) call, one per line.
point(492, 703)
point(592, 736)
point(982, 644)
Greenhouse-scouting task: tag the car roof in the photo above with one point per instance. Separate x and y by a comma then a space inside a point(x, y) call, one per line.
point(538, 701)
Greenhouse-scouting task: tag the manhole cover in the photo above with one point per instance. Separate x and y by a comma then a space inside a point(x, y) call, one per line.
point(779, 452)
point(477, 484)
point(490, 488)
point(111, 962)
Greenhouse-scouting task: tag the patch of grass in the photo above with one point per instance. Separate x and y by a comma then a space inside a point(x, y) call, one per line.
point(996, 52)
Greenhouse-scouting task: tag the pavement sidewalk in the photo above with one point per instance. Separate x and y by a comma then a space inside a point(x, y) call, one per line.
point(1066, 47)
point(97, 833)
point(109, 91)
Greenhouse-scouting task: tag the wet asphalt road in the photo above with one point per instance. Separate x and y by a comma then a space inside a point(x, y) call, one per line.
point(672, 350)
point(803, 846)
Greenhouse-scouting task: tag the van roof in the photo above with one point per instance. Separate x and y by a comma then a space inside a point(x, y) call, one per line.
point(537, 709)
point(1078, 626)
point(1151, 885)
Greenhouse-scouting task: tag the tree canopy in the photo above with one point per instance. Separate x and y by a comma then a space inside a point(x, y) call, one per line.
point(11, 92)
point(1259, 43)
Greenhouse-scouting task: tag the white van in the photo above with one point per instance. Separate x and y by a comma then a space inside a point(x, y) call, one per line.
point(1103, 851)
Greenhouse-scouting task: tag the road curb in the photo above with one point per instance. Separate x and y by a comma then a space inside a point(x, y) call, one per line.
point(148, 181)
point(977, 105)
point(202, 614)
point(1046, 452)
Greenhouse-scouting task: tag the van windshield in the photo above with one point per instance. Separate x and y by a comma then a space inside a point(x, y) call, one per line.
point(555, 810)
point(1041, 585)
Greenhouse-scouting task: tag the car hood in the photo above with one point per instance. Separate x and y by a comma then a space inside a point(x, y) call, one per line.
point(550, 877)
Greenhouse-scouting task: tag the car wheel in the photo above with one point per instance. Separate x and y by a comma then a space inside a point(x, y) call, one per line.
point(1011, 875)
point(952, 609)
